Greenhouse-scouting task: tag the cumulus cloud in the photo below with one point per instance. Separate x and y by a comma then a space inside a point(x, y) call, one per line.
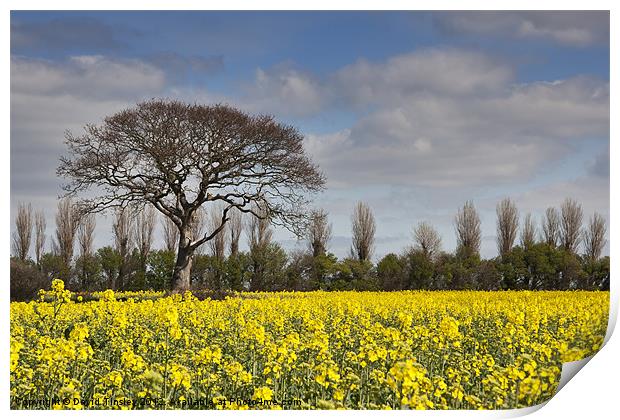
point(437, 117)
point(48, 98)
point(91, 76)
point(444, 140)
point(572, 28)
point(284, 89)
point(566, 109)
point(441, 71)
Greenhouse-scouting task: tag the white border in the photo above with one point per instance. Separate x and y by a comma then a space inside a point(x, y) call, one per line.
point(592, 394)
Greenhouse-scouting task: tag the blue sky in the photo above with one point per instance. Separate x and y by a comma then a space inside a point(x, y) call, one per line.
point(412, 112)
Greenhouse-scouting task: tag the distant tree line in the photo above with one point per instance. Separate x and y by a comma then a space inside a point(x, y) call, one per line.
point(545, 260)
point(531, 256)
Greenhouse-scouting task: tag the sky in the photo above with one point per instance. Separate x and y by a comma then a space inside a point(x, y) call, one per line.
point(411, 112)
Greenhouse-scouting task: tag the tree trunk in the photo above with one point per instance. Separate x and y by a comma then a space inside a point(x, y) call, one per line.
point(121, 275)
point(183, 265)
point(182, 269)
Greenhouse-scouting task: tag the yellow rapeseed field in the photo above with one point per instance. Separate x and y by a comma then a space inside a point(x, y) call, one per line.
point(389, 350)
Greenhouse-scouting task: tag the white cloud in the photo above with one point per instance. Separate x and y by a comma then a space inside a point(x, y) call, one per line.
point(440, 71)
point(573, 28)
point(439, 139)
point(284, 90)
point(570, 36)
point(86, 77)
point(443, 118)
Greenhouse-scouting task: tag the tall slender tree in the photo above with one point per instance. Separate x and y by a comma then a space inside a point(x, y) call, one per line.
point(468, 233)
point(363, 229)
point(68, 217)
point(22, 237)
point(85, 237)
point(218, 243)
point(507, 225)
point(39, 237)
point(123, 241)
point(594, 237)
point(144, 230)
point(319, 232)
point(528, 232)
point(171, 235)
point(570, 225)
point(235, 229)
point(259, 238)
point(551, 227)
point(259, 232)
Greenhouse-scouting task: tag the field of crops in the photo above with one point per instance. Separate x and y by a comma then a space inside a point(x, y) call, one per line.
point(422, 350)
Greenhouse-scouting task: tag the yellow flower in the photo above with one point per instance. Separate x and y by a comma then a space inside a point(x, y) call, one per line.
point(180, 376)
point(108, 296)
point(79, 332)
point(262, 393)
point(357, 350)
point(58, 285)
point(338, 395)
point(114, 378)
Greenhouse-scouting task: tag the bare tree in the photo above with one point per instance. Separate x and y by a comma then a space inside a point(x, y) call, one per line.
point(259, 238)
point(551, 227)
point(67, 221)
point(86, 235)
point(218, 243)
point(259, 232)
point(23, 231)
point(123, 238)
point(144, 230)
point(507, 225)
point(198, 225)
point(39, 235)
point(468, 234)
point(528, 232)
point(594, 237)
point(427, 240)
point(171, 234)
point(570, 227)
point(363, 229)
point(180, 156)
point(319, 232)
point(235, 229)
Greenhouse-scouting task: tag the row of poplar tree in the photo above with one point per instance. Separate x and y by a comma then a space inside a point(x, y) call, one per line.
point(531, 255)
